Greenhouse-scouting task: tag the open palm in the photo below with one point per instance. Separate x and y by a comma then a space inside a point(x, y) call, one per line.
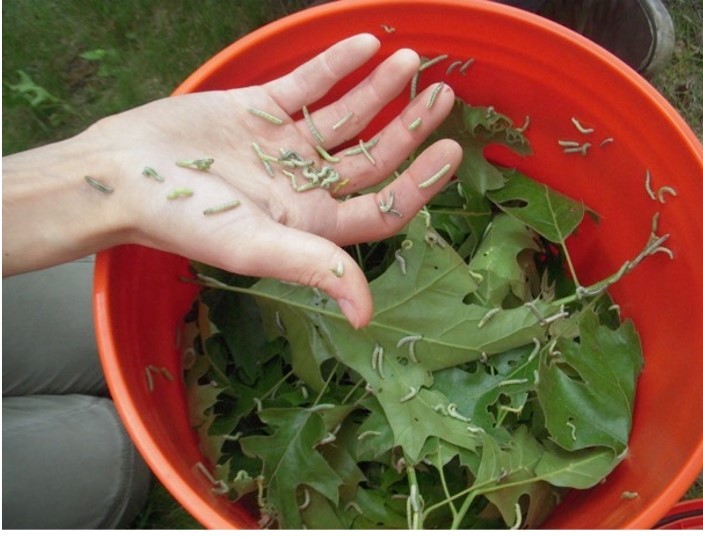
point(276, 229)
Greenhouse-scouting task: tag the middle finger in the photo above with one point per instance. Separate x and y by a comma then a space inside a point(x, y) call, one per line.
point(342, 120)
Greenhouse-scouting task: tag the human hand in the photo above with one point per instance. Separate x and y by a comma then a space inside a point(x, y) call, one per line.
point(275, 231)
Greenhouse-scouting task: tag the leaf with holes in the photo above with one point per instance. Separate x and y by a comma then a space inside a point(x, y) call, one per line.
point(551, 214)
point(587, 392)
point(478, 127)
point(290, 460)
point(508, 472)
point(497, 261)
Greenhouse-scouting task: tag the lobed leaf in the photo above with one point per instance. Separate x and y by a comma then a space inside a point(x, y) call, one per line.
point(290, 460)
point(551, 214)
point(579, 470)
point(508, 473)
point(587, 392)
point(477, 127)
point(496, 260)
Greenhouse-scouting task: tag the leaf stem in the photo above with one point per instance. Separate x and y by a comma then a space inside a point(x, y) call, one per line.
point(415, 502)
point(473, 491)
point(570, 264)
point(440, 469)
point(223, 378)
point(486, 487)
point(352, 391)
point(207, 281)
point(327, 383)
point(562, 241)
point(463, 509)
point(275, 387)
point(359, 257)
point(360, 399)
point(602, 286)
point(459, 212)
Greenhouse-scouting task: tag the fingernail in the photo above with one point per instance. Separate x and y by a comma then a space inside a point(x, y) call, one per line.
point(349, 312)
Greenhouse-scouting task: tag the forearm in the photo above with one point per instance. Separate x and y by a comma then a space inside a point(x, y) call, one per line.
point(50, 213)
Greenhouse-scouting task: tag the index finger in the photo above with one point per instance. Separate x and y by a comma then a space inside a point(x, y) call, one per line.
point(313, 79)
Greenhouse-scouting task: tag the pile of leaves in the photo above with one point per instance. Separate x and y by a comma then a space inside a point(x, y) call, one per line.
point(488, 382)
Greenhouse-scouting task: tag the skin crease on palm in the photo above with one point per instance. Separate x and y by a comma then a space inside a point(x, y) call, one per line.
point(275, 231)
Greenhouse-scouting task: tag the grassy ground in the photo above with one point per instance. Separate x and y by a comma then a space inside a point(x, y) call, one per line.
point(682, 82)
point(68, 63)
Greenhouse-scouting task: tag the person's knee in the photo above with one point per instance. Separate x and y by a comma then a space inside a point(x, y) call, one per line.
point(68, 463)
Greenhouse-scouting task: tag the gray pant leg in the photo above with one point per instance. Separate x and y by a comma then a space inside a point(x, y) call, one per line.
point(47, 332)
point(67, 460)
point(68, 463)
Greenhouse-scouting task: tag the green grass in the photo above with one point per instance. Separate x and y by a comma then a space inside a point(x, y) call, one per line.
point(96, 58)
point(696, 491)
point(682, 81)
point(68, 63)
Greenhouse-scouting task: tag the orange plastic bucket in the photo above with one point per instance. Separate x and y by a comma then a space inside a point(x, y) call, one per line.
point(524, 65)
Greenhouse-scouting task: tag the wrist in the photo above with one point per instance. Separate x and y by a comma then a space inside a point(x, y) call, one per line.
point(50, 212)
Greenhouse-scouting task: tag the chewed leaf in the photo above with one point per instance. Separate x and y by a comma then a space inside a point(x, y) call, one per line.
point(587, 392)
point(414, 418)
point(549, 213)
point(511, 471)
point(580, 470)
point(290, 460)
point(496, 260)
point(478, 127)
point(510, 375)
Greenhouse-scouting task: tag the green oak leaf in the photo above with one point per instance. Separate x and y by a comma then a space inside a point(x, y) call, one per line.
point(246, 398)
point(374, 436)
point(457, 376)
point(496, 260)
point(587, 392)
point(415, 419)
point(509, 375)
point(551, 214)
point(290, 460)
point(478, 127)
point(508, 472)
point(434, 285)
point(377, 510)
point(320, 513)
point(202, 397)
point(341, 459)
point(576, 469)
point(238, 319)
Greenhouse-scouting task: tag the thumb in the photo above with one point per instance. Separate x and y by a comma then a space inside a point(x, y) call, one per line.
point(289, 254)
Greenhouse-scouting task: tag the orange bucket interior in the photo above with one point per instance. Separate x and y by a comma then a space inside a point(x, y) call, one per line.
point(523, 66)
